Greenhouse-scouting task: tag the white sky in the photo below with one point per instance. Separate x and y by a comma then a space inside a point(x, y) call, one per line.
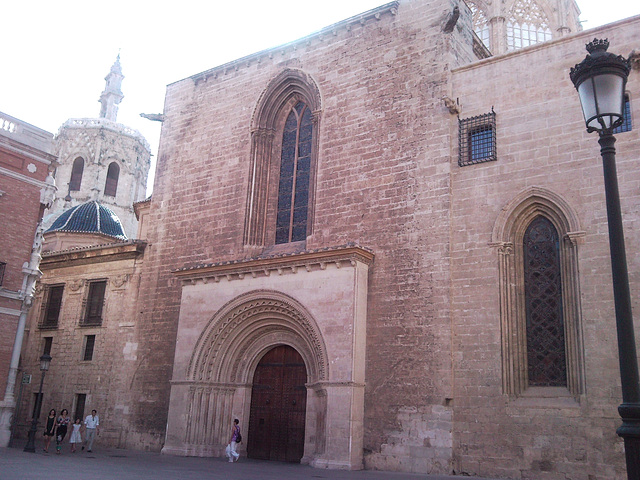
point(56, 53)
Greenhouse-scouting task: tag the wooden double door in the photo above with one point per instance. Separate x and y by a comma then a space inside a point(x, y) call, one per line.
point(278, 407)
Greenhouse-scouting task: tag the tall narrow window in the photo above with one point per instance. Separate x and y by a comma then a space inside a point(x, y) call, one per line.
point(3, 265)
point(527, 25)
point(76, 174)
point(543, 299)
point(89, 344)
point(111, 185)
point(48, 342)
point(52, 306)
point(94, 303)
point(282, 173)
point(480, 24)
point(295, 168)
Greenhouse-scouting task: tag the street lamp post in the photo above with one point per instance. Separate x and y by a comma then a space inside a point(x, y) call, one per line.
point(600, 80)
point(45, 361)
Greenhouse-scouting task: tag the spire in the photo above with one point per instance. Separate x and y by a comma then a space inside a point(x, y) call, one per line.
point(112, 94)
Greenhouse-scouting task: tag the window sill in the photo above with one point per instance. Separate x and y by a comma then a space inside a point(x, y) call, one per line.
point(545, 397)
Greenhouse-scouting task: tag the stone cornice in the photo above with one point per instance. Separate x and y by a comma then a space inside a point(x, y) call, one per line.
point(330, 31)
point(98, 123)
point(92, 254)
point(289, 263)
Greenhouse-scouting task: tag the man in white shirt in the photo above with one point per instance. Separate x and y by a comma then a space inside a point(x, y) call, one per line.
point(91, 423)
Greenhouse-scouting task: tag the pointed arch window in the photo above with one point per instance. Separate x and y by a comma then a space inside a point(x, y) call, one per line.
point(284, 150)
point(111, 185)
point(536, 238)
point(295, 167)
point(527, 25)
point(546, 358)
point(480, 24)
point(76, 174)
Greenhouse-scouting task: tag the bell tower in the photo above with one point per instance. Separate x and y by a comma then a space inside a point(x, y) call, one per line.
point(102, 160)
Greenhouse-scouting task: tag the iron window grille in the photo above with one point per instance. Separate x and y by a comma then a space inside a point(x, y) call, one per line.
point(477, 139)
point(51, 307)
point(626, 117)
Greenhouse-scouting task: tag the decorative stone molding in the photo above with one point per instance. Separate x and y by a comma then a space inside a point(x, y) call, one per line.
point(307, 261)
point(217, 357)
point(508, 233)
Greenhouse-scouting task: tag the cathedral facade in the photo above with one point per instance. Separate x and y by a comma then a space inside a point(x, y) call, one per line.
point(343, 250)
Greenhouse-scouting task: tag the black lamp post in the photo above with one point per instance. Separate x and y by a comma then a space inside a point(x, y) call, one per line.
point(45, 361)
point(600, 80)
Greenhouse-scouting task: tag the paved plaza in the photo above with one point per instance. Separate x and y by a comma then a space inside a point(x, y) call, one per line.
point(118, 464)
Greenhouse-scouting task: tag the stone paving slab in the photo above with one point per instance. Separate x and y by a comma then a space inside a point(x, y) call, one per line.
point(107, 464)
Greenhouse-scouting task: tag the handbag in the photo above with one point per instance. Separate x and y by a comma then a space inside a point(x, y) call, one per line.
point(238, 437)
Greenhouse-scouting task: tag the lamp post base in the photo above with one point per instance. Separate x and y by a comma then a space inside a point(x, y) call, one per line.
point(630, 432)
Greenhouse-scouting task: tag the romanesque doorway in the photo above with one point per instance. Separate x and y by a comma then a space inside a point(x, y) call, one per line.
point(278, 407)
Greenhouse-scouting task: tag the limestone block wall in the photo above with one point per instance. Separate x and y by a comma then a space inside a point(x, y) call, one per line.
point(106, 378)
point(542, 145)
point(382, 181)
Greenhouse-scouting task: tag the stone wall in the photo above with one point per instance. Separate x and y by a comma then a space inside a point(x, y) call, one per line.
point(541, 144)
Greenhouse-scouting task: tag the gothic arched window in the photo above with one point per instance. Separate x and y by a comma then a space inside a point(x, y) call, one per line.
point(295, 166)
point(76, 174)
point(284, 146)
point(480, 24)
point(536, 237)
point(527, 25)
point(111, 185)
point(546, 358)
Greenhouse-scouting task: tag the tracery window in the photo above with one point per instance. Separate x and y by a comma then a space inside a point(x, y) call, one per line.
point(284, 146)
point(295, 166)
point(546, 359)
point(76, 174)
point(111, 184)
point(527, 25)
point(480, 24)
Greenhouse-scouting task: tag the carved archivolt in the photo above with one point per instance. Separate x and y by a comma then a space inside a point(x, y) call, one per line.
point(507, 238)
point(241, 332)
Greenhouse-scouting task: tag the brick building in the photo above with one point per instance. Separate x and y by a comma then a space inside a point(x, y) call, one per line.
point(26, 191)
point(336, 253)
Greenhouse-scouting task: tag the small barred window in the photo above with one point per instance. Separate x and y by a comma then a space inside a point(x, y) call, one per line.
point(477, 139)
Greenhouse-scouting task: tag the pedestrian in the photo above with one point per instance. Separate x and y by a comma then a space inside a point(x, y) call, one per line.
point(61, 431)
point(49, 429)
point(233, 442)
point(92, 427)
point(76, 435)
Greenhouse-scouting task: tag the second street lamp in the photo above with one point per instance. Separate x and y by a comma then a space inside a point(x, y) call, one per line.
point(45, 361)
point(600, 80)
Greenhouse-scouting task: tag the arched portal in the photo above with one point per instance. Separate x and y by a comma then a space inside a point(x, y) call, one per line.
point(278, 406)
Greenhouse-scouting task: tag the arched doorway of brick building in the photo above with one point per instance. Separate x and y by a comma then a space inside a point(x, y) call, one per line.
point(278, 407)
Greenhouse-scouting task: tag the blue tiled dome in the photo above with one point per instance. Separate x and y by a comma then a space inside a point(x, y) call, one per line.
point(90, 217)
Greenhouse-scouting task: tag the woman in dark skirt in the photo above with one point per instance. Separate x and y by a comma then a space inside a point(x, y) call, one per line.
point(61, 432)
point(49, 429)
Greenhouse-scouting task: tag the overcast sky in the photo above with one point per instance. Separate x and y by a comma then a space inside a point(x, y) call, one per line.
point(55, 54)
